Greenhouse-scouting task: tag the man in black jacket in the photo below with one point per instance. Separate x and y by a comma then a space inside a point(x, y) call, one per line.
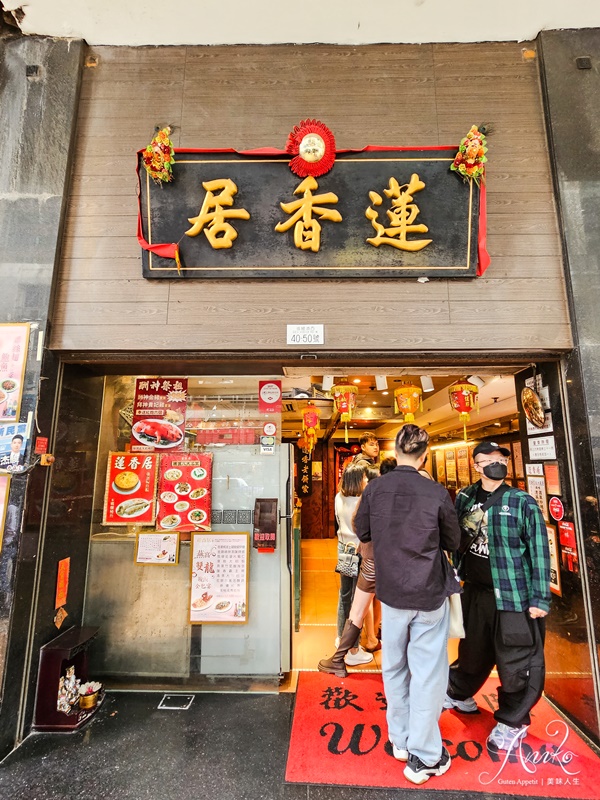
point(410, 519)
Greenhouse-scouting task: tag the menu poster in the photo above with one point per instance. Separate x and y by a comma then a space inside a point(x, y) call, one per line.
point(518, 459)
point(159, 414)
point(219, 566)
point(554, 562)
point(462, 466)
point(157, 548)
point(552, 478)
point(542, 448)
point(13, 444)
point(14, 341)
point(130, 489)
point(184, 492)
point(536, 487)
point(4, 488)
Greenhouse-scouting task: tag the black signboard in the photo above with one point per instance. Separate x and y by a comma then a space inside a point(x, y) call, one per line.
point(376, 214)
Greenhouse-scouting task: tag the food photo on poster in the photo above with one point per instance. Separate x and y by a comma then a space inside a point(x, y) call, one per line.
point(14, 341)
point(159, 408)
point(130, 489)
point(184, 492)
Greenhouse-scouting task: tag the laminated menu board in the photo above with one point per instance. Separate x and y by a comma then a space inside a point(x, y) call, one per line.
point(219, 578)
point(184, 492)
point(130, 489)
point(159, 407)
point(14, 341)
point(157, 548)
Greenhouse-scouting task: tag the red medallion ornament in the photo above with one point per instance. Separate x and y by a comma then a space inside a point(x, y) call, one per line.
point(313, 146)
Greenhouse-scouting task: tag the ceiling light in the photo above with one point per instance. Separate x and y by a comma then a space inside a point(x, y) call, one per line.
point(385, 393)
point(427, 383)
point(381, 382)
point(328, 381)
point(374, 402)
point(477, 381)
point(356, 380)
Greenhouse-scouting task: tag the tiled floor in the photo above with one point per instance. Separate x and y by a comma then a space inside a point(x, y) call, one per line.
point(318, 611)
point(319, 596)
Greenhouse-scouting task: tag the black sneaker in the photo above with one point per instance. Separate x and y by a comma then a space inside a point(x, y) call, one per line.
point(418, 772)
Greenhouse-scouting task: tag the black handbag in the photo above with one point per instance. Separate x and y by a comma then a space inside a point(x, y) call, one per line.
point(348, 562)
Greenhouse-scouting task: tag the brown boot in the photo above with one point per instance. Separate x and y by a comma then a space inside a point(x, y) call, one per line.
point(336, 665)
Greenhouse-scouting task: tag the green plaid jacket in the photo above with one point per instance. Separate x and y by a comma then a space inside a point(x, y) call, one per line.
point(518, 544)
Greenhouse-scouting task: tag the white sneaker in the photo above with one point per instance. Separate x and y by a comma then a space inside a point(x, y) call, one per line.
point(468, 706)
point(359, 658)
point(399, 753)
point(503, 737)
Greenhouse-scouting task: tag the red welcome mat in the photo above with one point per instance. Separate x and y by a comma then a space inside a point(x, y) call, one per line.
point(339, 736)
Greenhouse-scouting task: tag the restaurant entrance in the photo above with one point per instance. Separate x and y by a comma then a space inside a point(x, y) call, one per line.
point(165, 621)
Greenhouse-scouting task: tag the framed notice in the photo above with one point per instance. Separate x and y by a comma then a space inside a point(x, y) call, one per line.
point(440, 466)
point(517, 452)
point(462, 466)
point(552, 476)
point(157, 548)
point(4, 489)
point(184, 492)
point(14, 341)
point(555, 585)
point(450, 467)
point(536, 486)
point(159, 408)
point(130, 496)
point(219, 569)
point(542, 448)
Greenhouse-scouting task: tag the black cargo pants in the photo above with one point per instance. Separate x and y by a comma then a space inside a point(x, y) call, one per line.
point(509, 639)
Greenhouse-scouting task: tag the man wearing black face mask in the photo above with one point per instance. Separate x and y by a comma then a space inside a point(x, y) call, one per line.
point(505, 563)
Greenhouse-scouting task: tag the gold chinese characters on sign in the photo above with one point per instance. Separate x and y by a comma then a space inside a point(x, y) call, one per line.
point(215, 211)
point(402, 215)
point(307, 231)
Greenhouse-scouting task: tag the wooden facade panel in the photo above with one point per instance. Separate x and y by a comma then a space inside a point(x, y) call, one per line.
point(132, 316)
point(535, 287)
point(115, 290)
point(276, 315)
point(460, 337)
point(249, 97)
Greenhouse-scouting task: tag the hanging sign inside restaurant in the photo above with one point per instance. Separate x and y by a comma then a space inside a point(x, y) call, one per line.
point(371, 213)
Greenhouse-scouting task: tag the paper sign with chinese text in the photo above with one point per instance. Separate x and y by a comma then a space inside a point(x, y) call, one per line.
point(157, 548)
point(14, 341)
point(159, 414)
point(219, 567)
point(62, 582)
point(555, 585)
point(184, 492)
point(379, 213)
point(130, 496)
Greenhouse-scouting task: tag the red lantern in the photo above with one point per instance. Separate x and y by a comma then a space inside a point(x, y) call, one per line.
point(344, 398)
point(310, 426)
point(464, 398)
point(407, 400)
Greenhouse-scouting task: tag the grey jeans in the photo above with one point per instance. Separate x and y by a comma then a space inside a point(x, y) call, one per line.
point(415, 674)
